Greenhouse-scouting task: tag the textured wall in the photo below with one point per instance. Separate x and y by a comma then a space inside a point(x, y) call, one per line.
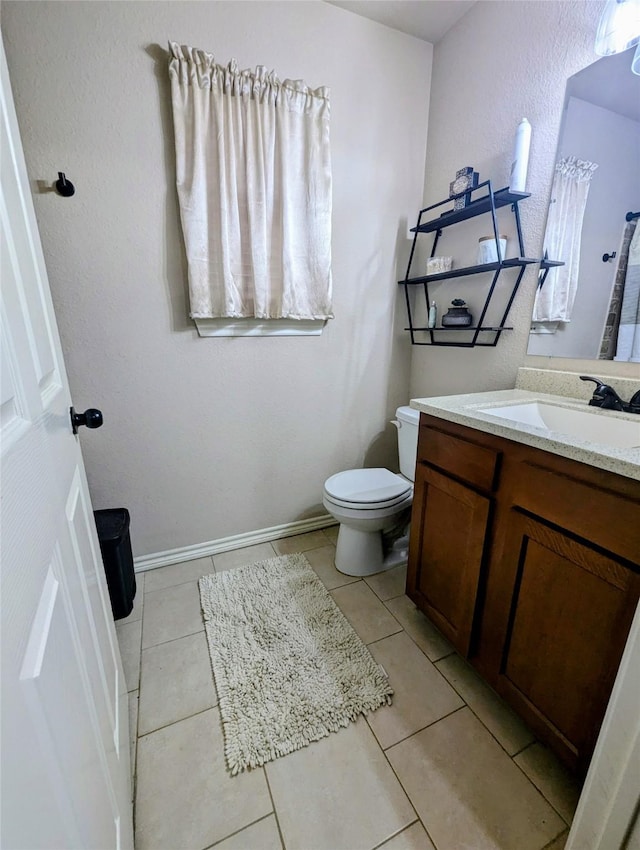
point(500, 62)
point(205, 438)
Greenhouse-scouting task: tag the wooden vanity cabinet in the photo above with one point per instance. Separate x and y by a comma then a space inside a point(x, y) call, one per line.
point(449, 530)
point(530, 564)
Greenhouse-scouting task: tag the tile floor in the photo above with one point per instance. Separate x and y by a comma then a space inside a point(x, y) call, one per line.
point(447, 766)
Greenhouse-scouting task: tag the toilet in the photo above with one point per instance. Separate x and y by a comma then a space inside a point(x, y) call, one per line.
point(373, 506)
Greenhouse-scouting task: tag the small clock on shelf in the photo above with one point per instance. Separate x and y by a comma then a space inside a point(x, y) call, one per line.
point(465, 179)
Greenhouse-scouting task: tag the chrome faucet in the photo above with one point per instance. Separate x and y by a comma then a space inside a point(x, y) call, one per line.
point(607, 398)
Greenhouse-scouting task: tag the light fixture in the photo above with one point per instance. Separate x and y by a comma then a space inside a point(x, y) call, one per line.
point(619, 27)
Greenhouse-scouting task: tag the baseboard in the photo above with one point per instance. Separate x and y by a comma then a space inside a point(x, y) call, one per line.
point(235, 541)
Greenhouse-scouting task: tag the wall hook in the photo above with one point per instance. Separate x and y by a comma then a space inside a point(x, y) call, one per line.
point(607, 257)
point(64, 187)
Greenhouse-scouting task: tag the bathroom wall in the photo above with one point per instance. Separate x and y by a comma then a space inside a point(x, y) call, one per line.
point(205, 438)
point(612, 141)
point(500, 62)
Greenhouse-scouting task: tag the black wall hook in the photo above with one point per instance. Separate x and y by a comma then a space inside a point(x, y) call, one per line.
point(64, 187)
point(607, 257)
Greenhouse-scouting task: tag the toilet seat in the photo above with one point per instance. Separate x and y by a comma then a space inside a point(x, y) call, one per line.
point(367, 489)
point(367, 513)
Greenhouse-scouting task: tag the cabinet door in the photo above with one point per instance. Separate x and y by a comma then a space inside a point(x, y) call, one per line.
point(571, 610)
point(448, 531)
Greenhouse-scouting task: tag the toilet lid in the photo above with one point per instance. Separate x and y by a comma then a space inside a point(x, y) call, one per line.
point(367, 486)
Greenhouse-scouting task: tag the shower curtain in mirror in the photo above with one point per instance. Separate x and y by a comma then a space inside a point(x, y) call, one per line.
point(609, 341)
point(569, 193)
point(254, 184)
point(628, 348)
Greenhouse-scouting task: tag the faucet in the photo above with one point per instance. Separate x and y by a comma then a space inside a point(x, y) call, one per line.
point(634, 404)
point(607, 398)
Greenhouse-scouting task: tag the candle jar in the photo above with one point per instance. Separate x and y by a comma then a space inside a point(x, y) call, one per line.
point(488, 250)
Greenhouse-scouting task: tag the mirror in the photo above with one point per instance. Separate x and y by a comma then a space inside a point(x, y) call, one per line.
point(578, 305)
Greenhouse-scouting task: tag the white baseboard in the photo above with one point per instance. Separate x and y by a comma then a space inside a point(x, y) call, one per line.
point(235, 541)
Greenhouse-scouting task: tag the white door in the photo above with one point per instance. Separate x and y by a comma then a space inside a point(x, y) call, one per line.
point(64, 757)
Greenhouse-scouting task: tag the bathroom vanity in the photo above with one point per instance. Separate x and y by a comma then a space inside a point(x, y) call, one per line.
point(525, 553)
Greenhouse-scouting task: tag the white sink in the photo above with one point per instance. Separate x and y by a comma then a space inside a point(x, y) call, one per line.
point(583, 424)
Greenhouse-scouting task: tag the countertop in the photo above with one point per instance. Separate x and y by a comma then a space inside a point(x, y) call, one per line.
point(463, 409)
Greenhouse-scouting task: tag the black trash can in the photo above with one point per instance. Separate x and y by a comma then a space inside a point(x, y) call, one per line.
point(115, 544)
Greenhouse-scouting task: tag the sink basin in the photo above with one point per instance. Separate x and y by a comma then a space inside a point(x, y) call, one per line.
point(583, 424)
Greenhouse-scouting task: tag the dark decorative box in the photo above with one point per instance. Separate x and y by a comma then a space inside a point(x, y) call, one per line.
point(457, 315)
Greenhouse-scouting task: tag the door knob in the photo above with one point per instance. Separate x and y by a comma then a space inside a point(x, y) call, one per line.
point(92, 418)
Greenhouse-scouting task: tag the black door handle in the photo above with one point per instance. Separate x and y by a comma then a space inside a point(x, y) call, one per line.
point(92, 418)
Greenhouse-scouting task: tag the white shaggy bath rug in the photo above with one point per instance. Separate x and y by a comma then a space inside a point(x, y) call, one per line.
point(289, 668)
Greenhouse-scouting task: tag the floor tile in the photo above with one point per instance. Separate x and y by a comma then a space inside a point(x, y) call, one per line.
point(412, 838)
point(389, 584)
point(185, 797)
point(171, 613)
point(242, 557)
point(178, 574)
point(496, 715)
point(331, 533)
point(129, 641)
point(338, 793)
point(133, 732)
point(365, 612)
point(175, 682)
point(419, 628)
point(323, 562)
point(263, 835)
point(468, 792)
point(421, 694)
point(300, 542)
point(551, 778)
point(136, 613)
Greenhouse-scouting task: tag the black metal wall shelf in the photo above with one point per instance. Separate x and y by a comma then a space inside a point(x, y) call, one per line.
point(545, 267)
point(501, 198)
point(486, 203)
point(455, 328)
point(511, 263)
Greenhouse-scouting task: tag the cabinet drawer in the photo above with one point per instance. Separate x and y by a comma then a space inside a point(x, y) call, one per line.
point(606, 518)
point(465, 459)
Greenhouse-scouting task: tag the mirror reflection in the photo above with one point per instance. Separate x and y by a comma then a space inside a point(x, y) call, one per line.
point(588, 304)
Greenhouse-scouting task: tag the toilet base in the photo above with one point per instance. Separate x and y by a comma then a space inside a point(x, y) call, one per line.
point(361, 553)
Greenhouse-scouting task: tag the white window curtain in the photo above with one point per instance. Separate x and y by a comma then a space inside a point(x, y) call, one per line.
point(254, 185)
point(563, 235)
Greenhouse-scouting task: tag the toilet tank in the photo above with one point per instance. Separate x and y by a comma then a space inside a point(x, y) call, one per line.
point(406, 422)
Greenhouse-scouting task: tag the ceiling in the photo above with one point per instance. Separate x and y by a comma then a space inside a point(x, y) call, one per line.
point(609, 83)
point(425, 19)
